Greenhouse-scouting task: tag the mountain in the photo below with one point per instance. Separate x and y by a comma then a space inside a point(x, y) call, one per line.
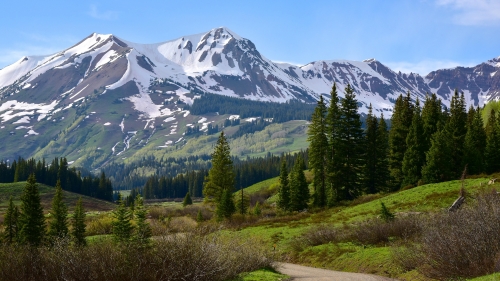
point(98, 99)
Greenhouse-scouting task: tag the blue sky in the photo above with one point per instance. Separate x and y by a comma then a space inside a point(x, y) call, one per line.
point(417, 35)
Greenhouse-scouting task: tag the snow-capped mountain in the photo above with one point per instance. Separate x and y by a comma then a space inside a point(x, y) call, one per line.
point(129, 88)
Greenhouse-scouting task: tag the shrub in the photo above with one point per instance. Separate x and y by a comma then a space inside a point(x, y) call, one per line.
point(100, 225)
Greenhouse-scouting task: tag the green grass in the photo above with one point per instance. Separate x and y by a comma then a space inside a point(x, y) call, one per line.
point(491, 277)
point(265, 274)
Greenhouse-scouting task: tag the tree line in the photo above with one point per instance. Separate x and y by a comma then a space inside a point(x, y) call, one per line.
point(49, 173)
point(425, 144)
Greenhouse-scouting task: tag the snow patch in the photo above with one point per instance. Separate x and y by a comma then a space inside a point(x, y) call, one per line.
point(107, 124)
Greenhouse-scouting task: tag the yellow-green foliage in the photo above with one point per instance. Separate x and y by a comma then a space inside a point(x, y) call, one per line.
point(102, 224)
point(487, 110)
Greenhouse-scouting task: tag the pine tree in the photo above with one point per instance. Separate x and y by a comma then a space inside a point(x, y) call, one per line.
point(333, 163)
point(475, 143)
point(187, 200)
point(122, 228)
point(438, 158)
point(58, 226)
point(225, 208)
point(400, 126)
point(78, 224)
point(457, 126)
point(299, 189)
point(284, 189)
point(142, 228)
point(199, 216)
point(221, 175)
point(256, 209)
point(382, 167)
point(491, 152)
point(350, 149)
point(372, 153)
point(242, 203)
point(318, 145)
point(11, 222)
point(431, 117)
point(32, 221)
point(385, 214)
point(414, 157)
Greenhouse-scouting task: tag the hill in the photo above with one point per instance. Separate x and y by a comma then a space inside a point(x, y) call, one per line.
point(46, 194)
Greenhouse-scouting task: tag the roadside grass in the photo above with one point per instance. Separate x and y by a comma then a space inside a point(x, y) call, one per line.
point(491, 277)
point(265, 274)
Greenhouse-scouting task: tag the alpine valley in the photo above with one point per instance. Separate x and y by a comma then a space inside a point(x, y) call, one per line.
point(106, 99)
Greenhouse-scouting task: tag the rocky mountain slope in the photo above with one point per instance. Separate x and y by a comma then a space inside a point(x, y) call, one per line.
point(109, 94)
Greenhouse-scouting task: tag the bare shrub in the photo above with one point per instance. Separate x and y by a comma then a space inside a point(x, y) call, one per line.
point(171, 257)
point(377, 231)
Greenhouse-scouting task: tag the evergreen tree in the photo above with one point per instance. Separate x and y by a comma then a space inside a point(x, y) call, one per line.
point(221, 175)
point(491, 152)
point(78, 224)
point(475, 143)
point(382, 166)
point(333, 164)
point(122, 228)
point(438, 158)
point(299, 189)
point(414, 157)
point(372, 153)
point(11, 222)
point(385, 214)
point(225, 208)
point(58, 226)
point(400, 126)
point(431, 117)
point(187, 200)
point(32, 221)
point(318, 145)
point(199, 216)
point(142, 228)
point(242, 203)
point(349, 149)
point(457, 126)
point(284, 189)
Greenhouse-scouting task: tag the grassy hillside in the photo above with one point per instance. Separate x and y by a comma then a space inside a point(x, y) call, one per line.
point(47, 193)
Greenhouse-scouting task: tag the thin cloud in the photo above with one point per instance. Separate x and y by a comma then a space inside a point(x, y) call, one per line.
point(425, 67)
point(9, 56)
point(474, 12)
point(106, 15)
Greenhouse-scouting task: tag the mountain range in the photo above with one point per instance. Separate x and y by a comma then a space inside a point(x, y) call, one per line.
point(108, 94)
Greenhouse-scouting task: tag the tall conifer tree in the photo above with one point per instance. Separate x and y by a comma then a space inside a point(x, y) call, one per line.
point(400, 126)
point(383, 176)
point(350, 149)
point(457, 126)
point(58, 226)
point(333, 163)
point(299, 190)
point(372, 153)
point(32, 221)
point(491, 152)
point(318, 146)
point(431, 116)
point(78, 224)
point(122, 227)
point(142, 228)
point(11, 222)
point(475, 143)
point(414, 158)
point(438, 158)
point(284, 190)
point(221, 175)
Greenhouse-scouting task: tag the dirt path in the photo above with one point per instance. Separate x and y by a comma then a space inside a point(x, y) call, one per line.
point(304, 273)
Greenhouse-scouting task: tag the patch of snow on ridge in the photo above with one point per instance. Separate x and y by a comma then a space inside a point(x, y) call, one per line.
point(25, 108)
point(107, 124)
point(24, 119)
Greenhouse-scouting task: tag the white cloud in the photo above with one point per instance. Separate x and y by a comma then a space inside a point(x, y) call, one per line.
point(106, 15)
point(426, 66)
point(474, 12)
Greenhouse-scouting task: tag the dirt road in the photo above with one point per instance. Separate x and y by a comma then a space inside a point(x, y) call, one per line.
point(304, 273)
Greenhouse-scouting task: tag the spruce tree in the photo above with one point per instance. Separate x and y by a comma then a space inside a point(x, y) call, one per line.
point(414, 157)
point(199, 216)
point(11, 222)
point(372, 153)
point(491, 152)
point(385, 214)
point(431, 117)
point(78, 224)
point(350, 149)
point(475, 143)
point(400, 126)
point(122, 228)
point(332, 128)
point(318, 146)
point(299, 189)
point(438, 158)
point(284, 189)
point(242, 203)
point(457, 126)
point(31, 220)
point(256, 209)
point(58, 226)
point(142, 228)
point(221, 175)
point(187, 200)
point(225, 208)
point(382, 167)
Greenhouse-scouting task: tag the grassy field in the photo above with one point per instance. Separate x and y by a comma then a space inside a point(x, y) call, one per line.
point(46, 194)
